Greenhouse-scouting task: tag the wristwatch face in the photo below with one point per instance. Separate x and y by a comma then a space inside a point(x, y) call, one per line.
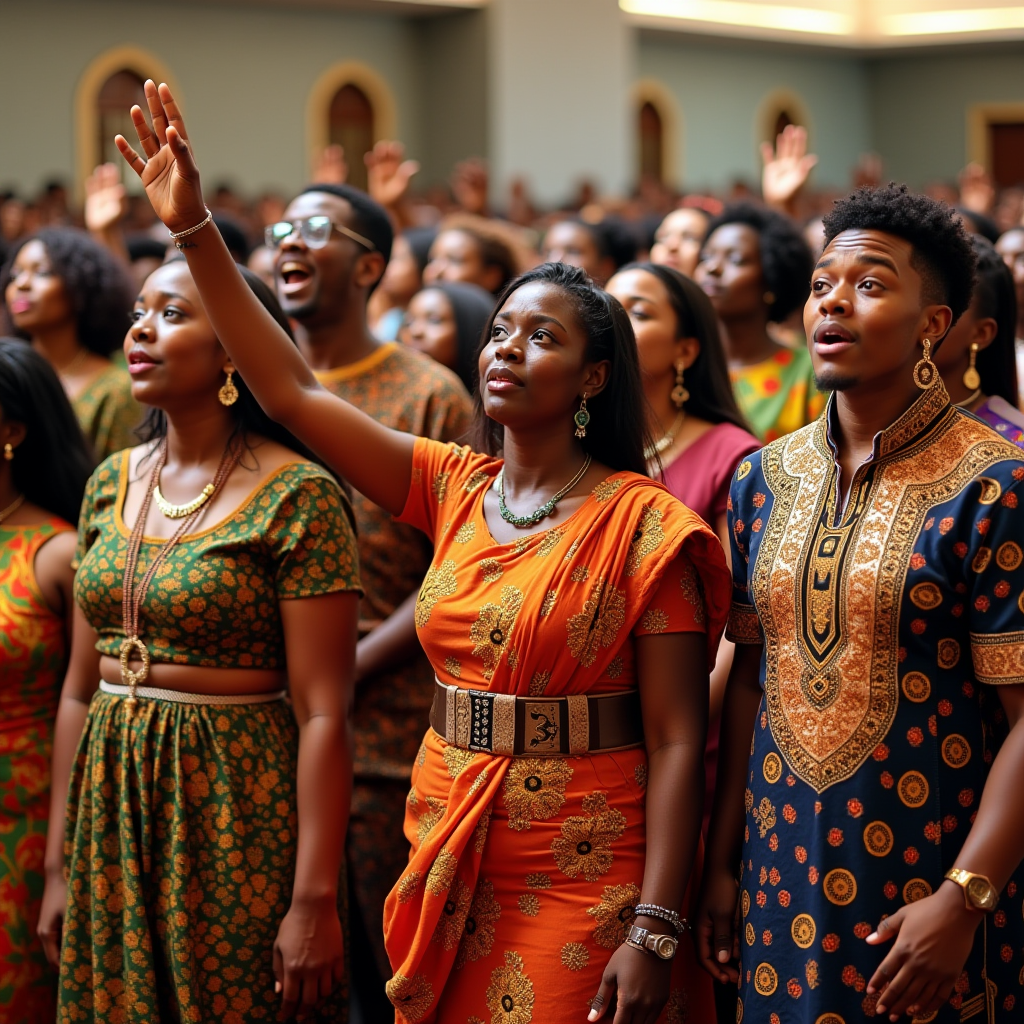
point(665, 946)
point(981, 893)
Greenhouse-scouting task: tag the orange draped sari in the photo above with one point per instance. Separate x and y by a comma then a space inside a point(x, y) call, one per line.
point(524, 871)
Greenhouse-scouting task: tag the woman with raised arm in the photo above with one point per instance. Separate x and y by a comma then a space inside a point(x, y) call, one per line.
point(45, 464)
point(199, 877)
point(555, 808)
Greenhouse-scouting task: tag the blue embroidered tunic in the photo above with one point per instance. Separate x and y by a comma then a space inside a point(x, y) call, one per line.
point(886, 627)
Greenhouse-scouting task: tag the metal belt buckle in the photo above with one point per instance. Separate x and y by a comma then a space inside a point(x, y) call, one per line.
point(543, 728)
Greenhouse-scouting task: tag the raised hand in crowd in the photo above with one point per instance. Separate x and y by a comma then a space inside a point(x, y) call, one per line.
point(470, 184)
point(787, 167)
point(331, 167)
point(389, 176)
point(105, 207)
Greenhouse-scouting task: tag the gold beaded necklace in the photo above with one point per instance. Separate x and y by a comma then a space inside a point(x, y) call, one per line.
point(132, 596)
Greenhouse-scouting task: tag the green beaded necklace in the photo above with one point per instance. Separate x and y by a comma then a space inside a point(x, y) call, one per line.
point(546, 509)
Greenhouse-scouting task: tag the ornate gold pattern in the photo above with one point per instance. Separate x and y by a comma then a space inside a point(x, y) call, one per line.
point(840, 887)
point(457, 760)
point(913, 789)
point(529, 904)
point(606, 488)
point(654, 620)
point(803, 930)
point(539, 683)
point(766, 981)
point(916, 889)
point(482, 827)
point(648, 537)
point(453, 667)
point(878, 839)
point(429, 818)
point(465, 533)
point(491, 570)
point(437, 584)
point(772, 767)
point(503, 727)
point(451, 923)
point(956, 751)
point(614, 915)
point(585, 845)
point(491, 631)
point(949, 653)
point(916, 687)
point(991, 490)
point(1009, 556)
point(538, 880)
point(549, 602)
point(535, 789)
point(440, 486)
point(575, 956)
point(478, 931)
point(580, 574)
point(442, 873)
point(412, 997)
point(475, 480)
point(926, 596)
point(549, 542)
point(408, 887)
point(998, 657)
point(509, 996)
point(579, 724)
point(744, 625)
point(598, 624)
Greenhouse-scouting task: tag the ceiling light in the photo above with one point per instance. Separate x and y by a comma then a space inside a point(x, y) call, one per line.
point(747, 15)
point(975, 19)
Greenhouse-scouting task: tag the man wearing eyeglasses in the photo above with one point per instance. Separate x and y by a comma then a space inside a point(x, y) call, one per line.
point(331, 251)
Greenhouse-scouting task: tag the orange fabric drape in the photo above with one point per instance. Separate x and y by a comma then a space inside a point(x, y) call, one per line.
point(549, 614)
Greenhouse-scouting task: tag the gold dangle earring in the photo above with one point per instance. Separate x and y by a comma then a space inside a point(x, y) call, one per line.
point(925, 373)
point(228, 394)
point(680, 396)
point(972, 379)
point(582, 418)
point(9, 451)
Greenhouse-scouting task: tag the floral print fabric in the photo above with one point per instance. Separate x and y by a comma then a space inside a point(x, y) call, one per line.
point(33, 652)
point(778, 396)
point(106, 411)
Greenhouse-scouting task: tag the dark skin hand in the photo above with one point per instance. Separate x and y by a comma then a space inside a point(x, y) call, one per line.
point(533, 371)
point(867, 318)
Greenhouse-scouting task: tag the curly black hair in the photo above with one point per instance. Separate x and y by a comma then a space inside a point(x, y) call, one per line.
point(941, 249)
point(786, 260)
point(98, 287)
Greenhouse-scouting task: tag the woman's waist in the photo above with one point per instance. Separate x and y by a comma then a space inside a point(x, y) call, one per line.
point(225, 682)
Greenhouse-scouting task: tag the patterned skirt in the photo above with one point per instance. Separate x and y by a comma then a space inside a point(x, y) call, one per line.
point(28, 984)
point(180, 847)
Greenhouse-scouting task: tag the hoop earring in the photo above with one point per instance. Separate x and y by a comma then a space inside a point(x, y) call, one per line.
point(582, 418)
point(9, 451)
point(680, 396)
point(925, 373)
point(228, 394)
point(769, 298)
point(972, 379)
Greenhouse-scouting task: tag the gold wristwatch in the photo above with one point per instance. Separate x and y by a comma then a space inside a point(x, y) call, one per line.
point(979, 892)
point(663, 946)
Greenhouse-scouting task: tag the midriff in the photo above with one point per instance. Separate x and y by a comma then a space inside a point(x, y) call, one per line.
point(192, 679)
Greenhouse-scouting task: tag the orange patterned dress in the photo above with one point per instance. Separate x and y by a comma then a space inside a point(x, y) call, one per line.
point(524, 871)
point(33, 653)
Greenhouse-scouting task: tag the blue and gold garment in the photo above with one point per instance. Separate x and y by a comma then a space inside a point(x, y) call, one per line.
point(885, 627)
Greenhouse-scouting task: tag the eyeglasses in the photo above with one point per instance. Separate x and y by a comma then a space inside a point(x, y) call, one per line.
point(314, 231)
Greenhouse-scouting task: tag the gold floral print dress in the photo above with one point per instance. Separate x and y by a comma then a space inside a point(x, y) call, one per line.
point(524, 870)
point(182, 821)
point(106, 411)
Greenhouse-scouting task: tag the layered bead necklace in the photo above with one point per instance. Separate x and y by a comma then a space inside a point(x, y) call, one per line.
point(545, 510)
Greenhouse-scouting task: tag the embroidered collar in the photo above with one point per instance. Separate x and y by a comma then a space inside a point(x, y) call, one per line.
point(909, 428)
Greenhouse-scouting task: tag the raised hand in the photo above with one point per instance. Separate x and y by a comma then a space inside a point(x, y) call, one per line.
point(786, 167)
point(389, 174)
point(332, 167)
point(168, 173)
point(470, 182)
point(104, 199)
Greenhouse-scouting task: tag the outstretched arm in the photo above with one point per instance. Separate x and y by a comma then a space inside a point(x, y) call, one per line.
point(375, 460)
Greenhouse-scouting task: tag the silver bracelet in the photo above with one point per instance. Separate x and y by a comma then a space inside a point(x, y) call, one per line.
point(663, 914)
point(176, 236)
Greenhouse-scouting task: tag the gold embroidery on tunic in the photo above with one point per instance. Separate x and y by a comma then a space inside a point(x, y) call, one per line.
point(437, 584)
point(440, 486)
point(412, 997)
point(579, 724)
point(491, 631)
point(478, 934)
point(998, 657)
point(598, 624)
point(648, 537)
point(465, 533)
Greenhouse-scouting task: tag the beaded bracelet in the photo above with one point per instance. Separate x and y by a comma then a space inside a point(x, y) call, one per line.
point(177, 236)
point(663, 914)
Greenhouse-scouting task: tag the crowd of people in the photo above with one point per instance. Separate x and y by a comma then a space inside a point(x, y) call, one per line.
point(613, 613)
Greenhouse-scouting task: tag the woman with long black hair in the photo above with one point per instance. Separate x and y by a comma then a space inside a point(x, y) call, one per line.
point(44, 465)
point(552, 814)
point(201, 873)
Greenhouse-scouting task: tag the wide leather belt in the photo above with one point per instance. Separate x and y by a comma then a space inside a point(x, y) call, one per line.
point(500, 723)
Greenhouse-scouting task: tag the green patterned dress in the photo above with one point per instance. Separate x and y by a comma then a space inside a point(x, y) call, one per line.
point(107, 412)
point(182, 820)
point(33, 652)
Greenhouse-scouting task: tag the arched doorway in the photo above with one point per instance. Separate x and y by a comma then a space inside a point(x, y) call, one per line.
point(651, 146)
point(783, 121)
point(351, 127)
point(115, 99)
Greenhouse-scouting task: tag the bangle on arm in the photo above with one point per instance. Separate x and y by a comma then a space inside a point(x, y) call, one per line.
point(176, 236)
point(679, 924)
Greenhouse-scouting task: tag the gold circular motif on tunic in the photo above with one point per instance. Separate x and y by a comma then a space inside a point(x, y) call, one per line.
point(772, 767)
point(745, 902)
point(803, 930)
point(878, 838)
point(926, 596)
point(745, 467)
point(748, 934)
point(1009, 556)
point(981, 559)
point(916, 687)
point(956, 751)
point(840, 887)
point(913, 789)
point(916, 889)
point(739, 1011)
point(949, 653)
point(766, 981)
point(991, 490)
point(830, 1018)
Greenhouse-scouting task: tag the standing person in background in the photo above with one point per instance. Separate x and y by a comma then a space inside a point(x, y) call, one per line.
point(1011, 247)
point(445, 322)
point(476, 251)
point(44, 466)
point(402, 279)
point(71, 298)
point(598, 248)
point(332, 249)
point(755, 267)
point(678, 240)
point(977, 360)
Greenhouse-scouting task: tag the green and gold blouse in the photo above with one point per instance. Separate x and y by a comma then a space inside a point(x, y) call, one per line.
point(107, 412)
point(214, 601)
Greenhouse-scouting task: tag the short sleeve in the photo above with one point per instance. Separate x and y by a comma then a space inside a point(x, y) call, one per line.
point(995, 586)
point(100, 492)
point(449, 413)
point(86, 535)
point(744, 627)
point(677, 605)
point(443, 475)
point(313, 542)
